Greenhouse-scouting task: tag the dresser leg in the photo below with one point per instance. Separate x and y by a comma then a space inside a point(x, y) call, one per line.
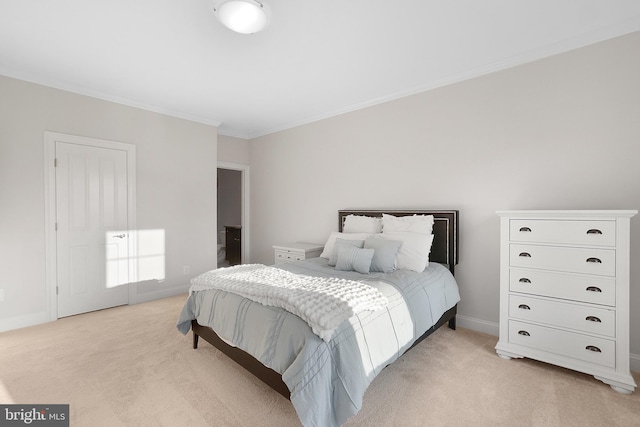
point(506, 355)
point(621, 387)
point(621, 390)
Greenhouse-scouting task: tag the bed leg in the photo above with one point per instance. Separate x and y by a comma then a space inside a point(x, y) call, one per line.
point(452, 323)
point(195, 340)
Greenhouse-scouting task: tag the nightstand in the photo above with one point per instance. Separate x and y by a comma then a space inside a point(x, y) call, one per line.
point(296, 251)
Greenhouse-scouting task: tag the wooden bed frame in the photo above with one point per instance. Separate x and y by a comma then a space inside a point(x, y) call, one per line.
point(444, 250)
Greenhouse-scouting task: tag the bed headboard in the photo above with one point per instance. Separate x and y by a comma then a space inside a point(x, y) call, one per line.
point(444, 249)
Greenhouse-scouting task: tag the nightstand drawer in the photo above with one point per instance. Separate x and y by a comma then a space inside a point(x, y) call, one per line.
point(600, 351)
point(576, 287)
point(601, 262)
point(282, 256)
point(583, 318)
point(590, 233)
point(296, 251)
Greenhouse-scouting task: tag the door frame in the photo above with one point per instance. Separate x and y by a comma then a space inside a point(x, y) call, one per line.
point(51, 254)
point(244, 169)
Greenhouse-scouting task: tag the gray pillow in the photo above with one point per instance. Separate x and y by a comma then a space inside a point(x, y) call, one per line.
point(341, 243)
point(351, 258)
point(384, 259)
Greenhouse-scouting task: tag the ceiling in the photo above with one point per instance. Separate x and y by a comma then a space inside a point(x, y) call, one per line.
point(317, 58)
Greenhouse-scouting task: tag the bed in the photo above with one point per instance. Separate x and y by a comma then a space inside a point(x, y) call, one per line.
point(326, 379)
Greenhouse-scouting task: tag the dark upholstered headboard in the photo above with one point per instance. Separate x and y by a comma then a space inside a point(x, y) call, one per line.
point(444, 249)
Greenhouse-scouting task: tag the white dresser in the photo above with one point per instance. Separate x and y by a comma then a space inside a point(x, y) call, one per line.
point(564, 291)
point(296, 251)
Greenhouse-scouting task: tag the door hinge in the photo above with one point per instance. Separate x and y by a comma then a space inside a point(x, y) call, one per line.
point(56, 226)
point(57, 290)
point(55, 163)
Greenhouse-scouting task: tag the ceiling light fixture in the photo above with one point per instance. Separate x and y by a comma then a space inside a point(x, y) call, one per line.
point(242, 16)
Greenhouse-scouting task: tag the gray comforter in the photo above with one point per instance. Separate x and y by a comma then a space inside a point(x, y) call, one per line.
point(327, 380)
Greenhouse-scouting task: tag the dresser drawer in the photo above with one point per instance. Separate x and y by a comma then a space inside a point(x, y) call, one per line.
point(583, 318)
point(559, 258)
point(590, 233)
point(575, 287)
point(590, 349)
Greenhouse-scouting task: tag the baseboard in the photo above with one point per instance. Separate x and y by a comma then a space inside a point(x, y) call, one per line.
point(493, 328)
point(23, 321)
point(635, 362)
point(164, 293)
point(27, 320)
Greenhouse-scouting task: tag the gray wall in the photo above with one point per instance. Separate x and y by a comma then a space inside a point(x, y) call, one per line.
point(559, 133)
point(176, 187)
point(233, 150)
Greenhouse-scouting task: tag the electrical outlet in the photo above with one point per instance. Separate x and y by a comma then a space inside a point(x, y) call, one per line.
point(186, 269)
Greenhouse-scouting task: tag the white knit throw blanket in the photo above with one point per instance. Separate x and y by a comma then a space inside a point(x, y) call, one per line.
point(323, 302)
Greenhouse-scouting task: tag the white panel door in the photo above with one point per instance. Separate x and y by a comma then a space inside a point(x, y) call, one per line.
point(92, 228)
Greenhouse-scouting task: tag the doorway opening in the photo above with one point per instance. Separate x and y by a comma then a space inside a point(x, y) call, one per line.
point(232, 212)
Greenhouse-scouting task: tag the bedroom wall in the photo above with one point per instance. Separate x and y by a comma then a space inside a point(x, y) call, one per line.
point(559, 133)
point(232, 149)
point(176, 188)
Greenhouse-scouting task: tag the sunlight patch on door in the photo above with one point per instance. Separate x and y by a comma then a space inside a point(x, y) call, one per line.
point(134, 256)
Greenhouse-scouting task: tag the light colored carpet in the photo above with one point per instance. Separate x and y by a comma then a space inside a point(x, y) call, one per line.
point(129, 366)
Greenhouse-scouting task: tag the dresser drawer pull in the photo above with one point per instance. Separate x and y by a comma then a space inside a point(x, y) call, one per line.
point(525, 254)
point(593, 348)
point(594, 231)
point(524, 280)
point(593, 319)
point(524, 307)
point(594, 260)
point(594, 289)
point(525, 230)
point(525, 333)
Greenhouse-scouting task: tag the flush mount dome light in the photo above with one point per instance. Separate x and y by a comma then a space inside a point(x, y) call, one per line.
point(242, 16)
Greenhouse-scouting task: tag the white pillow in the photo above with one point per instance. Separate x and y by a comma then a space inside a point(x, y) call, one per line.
point(414, 252)
point(331, 241)
point(362, 224)
point(415, 223)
